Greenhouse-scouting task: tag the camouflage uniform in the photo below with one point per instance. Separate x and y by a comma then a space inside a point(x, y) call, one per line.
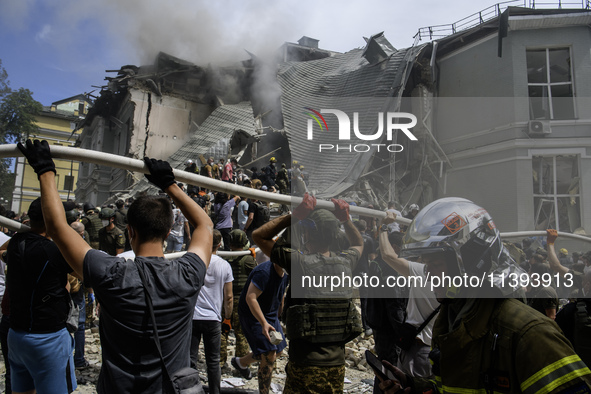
point(313, 379)
point(241, 268)
point(92, 223)
point(318, 328)
point(111, 240)
point(282, 180)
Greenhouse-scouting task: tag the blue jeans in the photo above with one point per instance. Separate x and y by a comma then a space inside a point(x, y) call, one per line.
point(212, 337)
point(79, 337)
point(41, 361)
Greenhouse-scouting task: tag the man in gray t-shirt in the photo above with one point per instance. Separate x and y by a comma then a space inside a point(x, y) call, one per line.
point(130, 359)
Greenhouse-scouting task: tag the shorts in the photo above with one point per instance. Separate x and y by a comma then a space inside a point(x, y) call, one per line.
point(44, 362)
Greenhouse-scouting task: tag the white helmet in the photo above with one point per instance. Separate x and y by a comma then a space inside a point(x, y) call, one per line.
point(459, 226)
point(189, 162)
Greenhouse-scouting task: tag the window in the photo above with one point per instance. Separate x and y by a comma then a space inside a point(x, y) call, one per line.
point(550, 84)
point(557, 200)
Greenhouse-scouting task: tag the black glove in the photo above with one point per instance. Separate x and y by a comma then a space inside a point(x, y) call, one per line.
point(38, 155)
point(160, 173)
point(226, 326)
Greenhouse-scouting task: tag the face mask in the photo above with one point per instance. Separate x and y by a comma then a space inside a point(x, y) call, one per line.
point(105, 222)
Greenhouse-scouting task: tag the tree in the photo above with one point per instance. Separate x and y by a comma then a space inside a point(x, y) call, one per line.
point(17, 115)
point(17, 121)
point(4, 88)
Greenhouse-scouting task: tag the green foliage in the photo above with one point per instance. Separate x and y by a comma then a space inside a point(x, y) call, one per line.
point(17, 115)
point(4, 88)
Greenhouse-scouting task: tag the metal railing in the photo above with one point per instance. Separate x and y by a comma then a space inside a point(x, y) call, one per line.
point(439, 31)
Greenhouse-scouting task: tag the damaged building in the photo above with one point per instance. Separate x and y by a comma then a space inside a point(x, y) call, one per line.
point(501, 103)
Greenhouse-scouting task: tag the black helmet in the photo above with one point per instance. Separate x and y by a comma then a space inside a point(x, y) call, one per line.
point(89, 207)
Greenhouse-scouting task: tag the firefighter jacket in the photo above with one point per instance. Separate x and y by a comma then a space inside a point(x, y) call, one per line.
point(503, 346)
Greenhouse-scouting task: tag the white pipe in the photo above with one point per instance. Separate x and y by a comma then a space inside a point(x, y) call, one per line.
point(126, 163)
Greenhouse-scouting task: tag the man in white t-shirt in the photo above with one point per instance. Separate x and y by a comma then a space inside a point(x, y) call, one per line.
point(207, 317)
point(421, 304)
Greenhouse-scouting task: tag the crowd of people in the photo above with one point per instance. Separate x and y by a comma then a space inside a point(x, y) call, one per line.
point(511, 334)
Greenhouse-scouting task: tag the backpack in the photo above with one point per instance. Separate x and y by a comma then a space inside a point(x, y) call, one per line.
point(262, 214)
point(582, 332)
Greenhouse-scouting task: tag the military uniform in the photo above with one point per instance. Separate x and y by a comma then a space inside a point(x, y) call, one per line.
point(92, 223)
point(111, 240)
point(502, 346)
point(318, 328)
point(282, 180)
point(241, 268)
point(121, 219)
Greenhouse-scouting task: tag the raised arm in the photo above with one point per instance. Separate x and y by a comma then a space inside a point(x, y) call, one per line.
point(555, 265)
point(202, 238)
point(71, 245)
point(388, 254)
point(353, 235)
point(263, 236)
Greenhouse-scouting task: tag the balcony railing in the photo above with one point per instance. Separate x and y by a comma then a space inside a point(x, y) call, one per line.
point(439, 31)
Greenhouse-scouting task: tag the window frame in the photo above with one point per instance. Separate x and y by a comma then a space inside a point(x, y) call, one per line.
point(548, 84)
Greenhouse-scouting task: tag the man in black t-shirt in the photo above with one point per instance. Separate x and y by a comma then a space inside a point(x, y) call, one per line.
point(130, 359)
point(40, 354)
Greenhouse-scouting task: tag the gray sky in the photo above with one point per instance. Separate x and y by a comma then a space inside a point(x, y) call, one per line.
point(59, 49)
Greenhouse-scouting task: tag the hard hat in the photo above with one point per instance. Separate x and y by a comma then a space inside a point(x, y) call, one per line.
point(273, 159)
point(467, 231)
point(107, 213)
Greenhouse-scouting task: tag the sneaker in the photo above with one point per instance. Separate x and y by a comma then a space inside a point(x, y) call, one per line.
point(84, 365)
point(245, 372)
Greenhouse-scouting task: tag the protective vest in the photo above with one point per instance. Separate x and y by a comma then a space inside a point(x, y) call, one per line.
point(503, 346)
point(92, 223)
point(318, 318)
point(240, 271)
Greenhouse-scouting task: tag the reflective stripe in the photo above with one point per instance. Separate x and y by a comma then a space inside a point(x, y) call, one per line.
point(554, 375)
point(458, 390)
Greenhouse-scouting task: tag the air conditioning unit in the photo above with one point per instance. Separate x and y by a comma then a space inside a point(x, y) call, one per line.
point(539, 128)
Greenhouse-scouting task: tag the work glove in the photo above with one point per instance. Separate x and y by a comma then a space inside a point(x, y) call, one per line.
point(306, 206)
point(551, 236)
point(38, 155)
point(253, 252)
point(226, 326)
point(341, 209)
point(160, 173)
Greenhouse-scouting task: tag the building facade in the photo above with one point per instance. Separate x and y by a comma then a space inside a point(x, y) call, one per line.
point(56, 124)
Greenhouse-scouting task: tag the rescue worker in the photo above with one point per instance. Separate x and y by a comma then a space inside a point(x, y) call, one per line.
point(111, 239)
point(207, 169)
point(270, 173)
point(92, 223)
point(484, 340)
point(316, 355)
point(282, 180)
point(242, 266)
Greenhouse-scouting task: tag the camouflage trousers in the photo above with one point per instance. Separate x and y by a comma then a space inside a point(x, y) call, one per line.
point(314, 380)
point(241, 343)
point(89, 310)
